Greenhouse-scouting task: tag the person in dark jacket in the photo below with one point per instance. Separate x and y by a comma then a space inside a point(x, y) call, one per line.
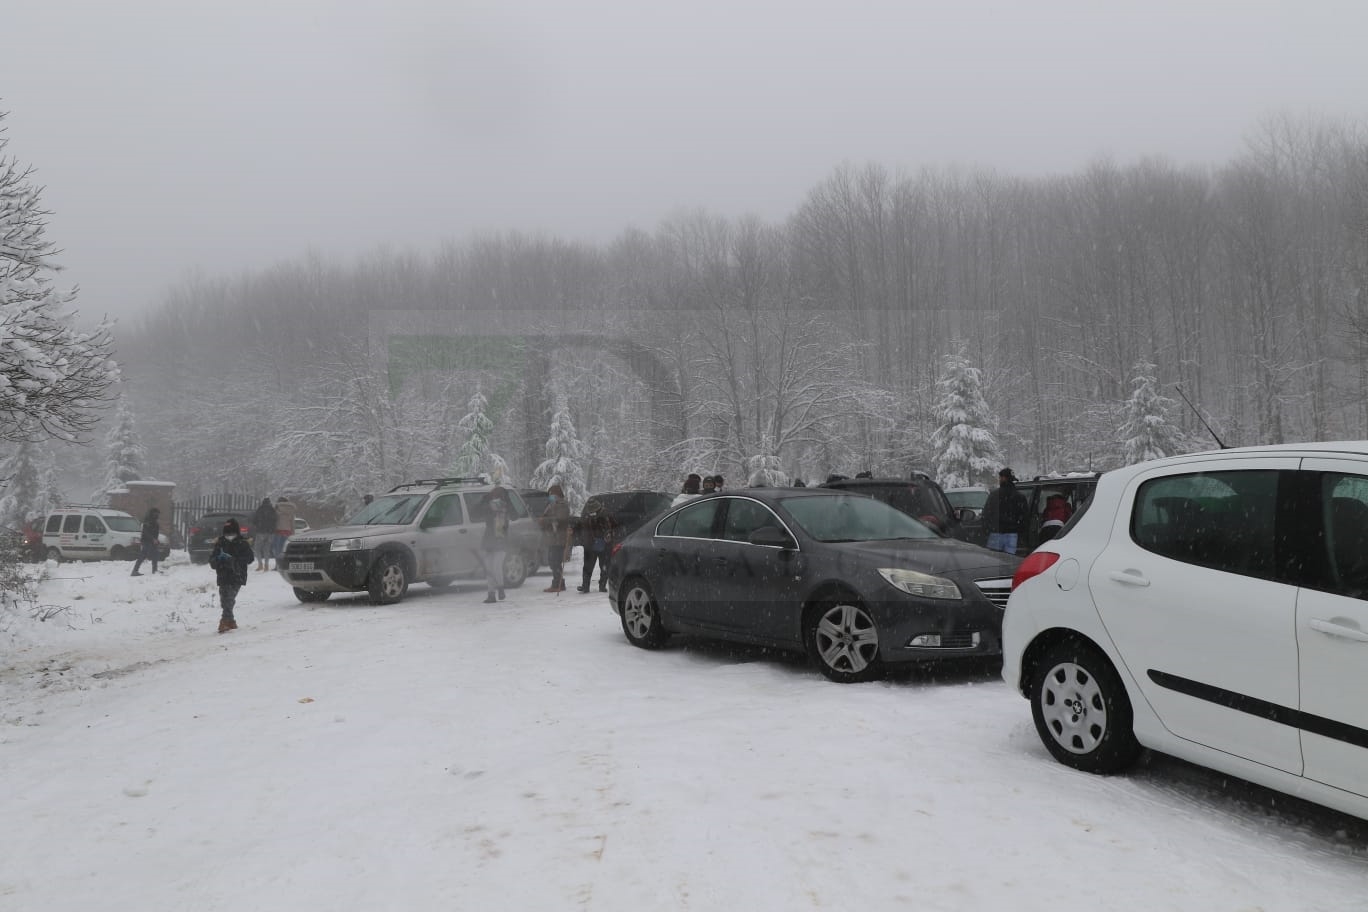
point(230, 559)
point(148, 541)
point(1004, 514)
point(494, 544)
point(595, 537)
point(555, 526)
point(264, 526)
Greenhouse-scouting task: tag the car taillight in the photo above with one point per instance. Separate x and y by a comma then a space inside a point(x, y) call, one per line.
point(1035, 564)
point(243, 529)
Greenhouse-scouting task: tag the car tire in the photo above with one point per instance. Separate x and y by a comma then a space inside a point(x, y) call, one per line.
point(641, 621)
point(388, 582)
point(1081, 709)
point(515, 570)
point(843, 640)
point(310, 595)
point(54, 554)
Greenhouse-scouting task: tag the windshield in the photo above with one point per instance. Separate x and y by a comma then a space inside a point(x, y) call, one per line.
point(851, 518)
point(397, 509)
point(974, 500)
point(122, 523)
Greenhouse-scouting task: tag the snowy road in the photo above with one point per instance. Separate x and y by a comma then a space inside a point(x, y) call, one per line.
point(447, 754)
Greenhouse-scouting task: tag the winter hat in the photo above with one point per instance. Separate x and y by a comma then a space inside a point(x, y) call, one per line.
point(231, 527)
point(1007, 474)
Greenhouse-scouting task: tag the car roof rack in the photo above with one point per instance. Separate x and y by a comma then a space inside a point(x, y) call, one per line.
point(444, 482)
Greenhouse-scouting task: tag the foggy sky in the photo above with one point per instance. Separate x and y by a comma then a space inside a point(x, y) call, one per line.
point(182, 136)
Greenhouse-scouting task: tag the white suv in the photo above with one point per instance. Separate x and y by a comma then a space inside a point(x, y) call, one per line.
point(427, 531)
point(1214, 607)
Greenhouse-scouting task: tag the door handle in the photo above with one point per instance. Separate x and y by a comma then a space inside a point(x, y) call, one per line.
point(1128, 578)
point(1330, 628)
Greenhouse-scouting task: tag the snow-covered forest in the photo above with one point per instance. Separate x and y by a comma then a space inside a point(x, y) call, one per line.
point(829, 341)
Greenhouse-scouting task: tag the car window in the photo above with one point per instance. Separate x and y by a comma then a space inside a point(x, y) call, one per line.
point(54, 524)
point(519, 506)
point(696, 520)
point(122, 523)
point(744, 517)
point(1345, 504)
point(72, 523)
point(444, 511)
point(853, 517)
point(1221, 520)
point(93, 526)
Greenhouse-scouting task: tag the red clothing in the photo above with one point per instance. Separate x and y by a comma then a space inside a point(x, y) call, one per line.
point(1056, 508)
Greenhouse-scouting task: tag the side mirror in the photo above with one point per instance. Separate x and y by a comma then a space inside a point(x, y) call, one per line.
point(771, 537)
point(967, 514)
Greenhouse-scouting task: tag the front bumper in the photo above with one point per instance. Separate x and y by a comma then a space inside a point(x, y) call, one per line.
point(312, 567)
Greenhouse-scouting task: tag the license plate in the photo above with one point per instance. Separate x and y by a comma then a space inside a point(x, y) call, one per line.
point(301, 565)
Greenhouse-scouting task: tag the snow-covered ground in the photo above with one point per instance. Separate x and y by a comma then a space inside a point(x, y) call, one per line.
point(447, 754)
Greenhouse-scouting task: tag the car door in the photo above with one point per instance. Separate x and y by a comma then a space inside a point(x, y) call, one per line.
point(760, 597)
point(445, 546)
point(96, 533)
point(1183, 588)
point(682, 573)
point(1332, 632)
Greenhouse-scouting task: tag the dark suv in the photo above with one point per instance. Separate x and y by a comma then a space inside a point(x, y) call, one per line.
point(206, 530)
point(627, 510)
point(918, 496)
point(1076, 487)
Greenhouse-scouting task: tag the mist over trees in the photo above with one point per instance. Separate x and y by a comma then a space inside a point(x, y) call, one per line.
point(818, 341)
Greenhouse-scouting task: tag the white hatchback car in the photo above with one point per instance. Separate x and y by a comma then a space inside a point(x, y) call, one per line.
point(1214, 607)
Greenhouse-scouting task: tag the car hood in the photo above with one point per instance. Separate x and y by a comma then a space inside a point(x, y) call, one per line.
point(361, 531)
point(940, 556)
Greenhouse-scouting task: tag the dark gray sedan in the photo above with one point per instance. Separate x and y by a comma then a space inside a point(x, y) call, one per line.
point(852, 582)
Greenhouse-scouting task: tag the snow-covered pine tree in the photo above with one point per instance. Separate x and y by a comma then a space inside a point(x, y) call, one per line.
point(53, 379)
point(564, 460)
point(1147, 431)
point(966, 449)
point(21, 486)
point(475, 455)
point(124, 452)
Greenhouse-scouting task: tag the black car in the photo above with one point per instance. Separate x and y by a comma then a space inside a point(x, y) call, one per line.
point(627, 510)
point(852, 582)
point(918, 496)
point(206, 530)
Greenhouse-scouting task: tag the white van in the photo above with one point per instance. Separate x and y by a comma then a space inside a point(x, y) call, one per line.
point(93, 533)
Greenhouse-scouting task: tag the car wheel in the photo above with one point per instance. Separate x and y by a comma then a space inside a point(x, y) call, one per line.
point(641, 616)
point(1081, 709)
point(310, 595)
point(515, 570)
point(54, 554)
point(388, 581)
point(843, 640)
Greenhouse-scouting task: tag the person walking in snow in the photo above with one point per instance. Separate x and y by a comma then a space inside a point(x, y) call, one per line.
point(148, 545)
point(264, 525)
point(284, 527)
point(230, 559)
point(555, 526)
point(595, 538)
point(494, 544)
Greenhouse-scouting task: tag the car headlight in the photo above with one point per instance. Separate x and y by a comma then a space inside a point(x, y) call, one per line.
point(923, 584)
point(346, 544)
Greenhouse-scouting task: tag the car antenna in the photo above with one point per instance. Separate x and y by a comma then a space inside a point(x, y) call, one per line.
point(1219, 442)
